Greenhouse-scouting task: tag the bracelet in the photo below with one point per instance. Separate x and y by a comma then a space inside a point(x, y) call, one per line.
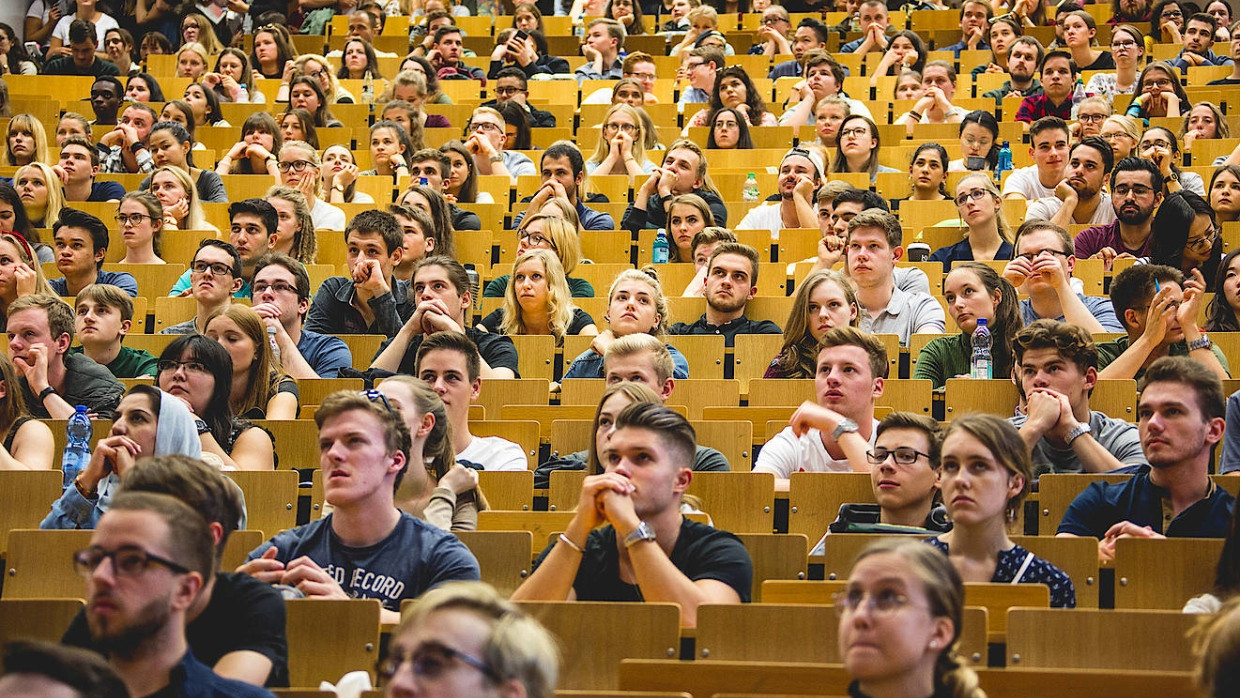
point(571, 544)
point(87, 494)
point(916, 116)
point(49, 390)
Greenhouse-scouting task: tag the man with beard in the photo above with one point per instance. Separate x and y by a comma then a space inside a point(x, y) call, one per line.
point(1024, 57)
point(1198, 40)
point(731, 281)
point(144, 570)
point(1079, 197)
point(1136, 191)
point(800, 174)
point(1130, 12)
point(1180, 417)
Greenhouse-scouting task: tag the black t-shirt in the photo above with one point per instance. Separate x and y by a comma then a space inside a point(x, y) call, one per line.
point(243, 614)
point(701, 552)
point(495, 349)
point(581, 320)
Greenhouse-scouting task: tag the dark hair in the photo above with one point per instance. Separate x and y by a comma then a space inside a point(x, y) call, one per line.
point(21, 221)
point(468, 193)
point(450, 341)
point(214, 115)
point(83, 142)
point(381, 222)
point(637, 26)
point(1048, 123)
point(279, 34)
point(300, 277)
point(743, 142)
point(432, 76)
point(1070, 341)
point(1059, 53)
point(402, 136)
point(676, 433)
point(258, 207)
point(322, 115)
point(1169, 232)
point(1006, 326)
point(819, 28)
point(113, 81)
point(309, 132)
point(1227, 573)
point(943, 159)
point(81, 31)
point(157, 92)
point(512, 72)
point(1156, 25)
point(85, 672)
point(440, 211)
point(372, 61)
point(919, 45)
point(753, 98)
point(919, 422)
point(1190, 372)
point(73, 218)
point(227, 247)
point(158, 40)
point(1135, 284)
point(987, 121)
point(179, 132)
point(865, 197)
point(17, 51)
point(185, 109)
point(246, 71)
point(1219, 314)
point(840, 164)
point(1171, 73)
point(445, 30)
point(1131, 164)
point(564, 149)
point(433, 155)
point(516, 115)
point(188, 538)
point(1100, 145)
point(210, 353)
point(204, 488)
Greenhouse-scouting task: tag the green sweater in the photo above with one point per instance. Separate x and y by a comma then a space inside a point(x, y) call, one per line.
point(130, 363)
point(945, 357)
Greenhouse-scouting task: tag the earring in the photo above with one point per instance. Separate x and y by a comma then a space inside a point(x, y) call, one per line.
point(934, 644)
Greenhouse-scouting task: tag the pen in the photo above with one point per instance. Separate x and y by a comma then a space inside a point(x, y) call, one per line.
point(1157, 286)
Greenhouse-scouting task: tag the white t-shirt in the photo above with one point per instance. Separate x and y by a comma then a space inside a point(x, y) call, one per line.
point(327, 216)
point(1025, 182)
point(1047, 207)
point(61, 31)
point(493, 453)
point(767, 216)
point(786, 454)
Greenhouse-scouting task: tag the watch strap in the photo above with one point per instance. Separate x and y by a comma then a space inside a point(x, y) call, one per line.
point(643, 532)
point(846, 426)
point(1202, 342)
point(1077, 432)
point(49, 390)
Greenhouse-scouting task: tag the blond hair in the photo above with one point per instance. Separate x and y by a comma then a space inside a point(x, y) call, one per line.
point(560, 306)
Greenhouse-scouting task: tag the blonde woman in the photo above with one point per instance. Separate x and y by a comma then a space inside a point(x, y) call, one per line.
point(635, 304)
point(140, 216)
point(620, 149)
point(20, 272)
point(196, 28)
point(25, 142)
point(318, 67)
point(296, 226)
point(544, 232)
point(299, 167)
point(538, 301)
point(260, 388)
point(176, 191)
point(981, 209)
point(192, 61)
point(40, 192)
point(1123, 133)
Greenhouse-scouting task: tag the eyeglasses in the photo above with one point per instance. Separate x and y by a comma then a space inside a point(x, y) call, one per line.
point(971, 141)
point(316, 74)
point(508, 91)
point(189, 366)
point(770, 21)
point(216, 268)
point(1135, 190)
point(613, 127)
point(904, 455)
point(1203, 242)
point(1030, 256)
point(1161, 83)
point(1091, 118)
point(296, 165)
point(127, 561)
point(376, 396)
point(1123, 45)
point(643, 76)
point(429, 661)
point(1113, 136)
point(485, 126)
point(974, 195)
point(276, 287)
point(884, 603)
point(132, 218)
point(858, 131)
point(535, 239)
point(1171, 14)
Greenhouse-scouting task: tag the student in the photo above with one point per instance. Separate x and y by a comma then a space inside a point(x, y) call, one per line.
point(927, 173)
point(104, 317)
point(81, 59)
point(1079, 198)
point(683, 172)
point(256, 152)
point(800, 174)
point(1059, 74)
point(1136, 192)
point(564, 176)
point(700, 66)
point(537, 301)
point(295, 229)
point(78, 165)
point(1048, 138)
point(979, 147)
point(873, 248)
point(435, 167)
point(1023, 59)
point(602, 46)
point(1079, 31)
point(253, 231)
point(486, 145)
point(281, 300)
point(1223, 313)
point(370, 299)
point(981, 210)
point(1185, 235)
point(972, 291)
point(81, 245)
point(810, 34)
point(259, 388)
point(731, 282)
point(299, 169)
point(32, 666)
point(636, 304)
point(934, 106)
point(1159, 93)
point(124, 149)
point(215, 278)
point(824, 300)
point(1044, 260)
point(1198, 40)
point(26, 275)
point(171, 145)
point(41, 195)
point(857, 147)
point(1128, 52)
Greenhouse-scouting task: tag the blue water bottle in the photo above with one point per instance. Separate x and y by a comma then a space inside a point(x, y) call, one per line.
point(1005, 160)
point(659, 251)
point(77, 451)
point(981, 350)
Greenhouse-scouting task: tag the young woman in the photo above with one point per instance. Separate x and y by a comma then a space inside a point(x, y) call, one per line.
point(273, 49)
point(906, 51)
point(621, 148)
point(1002, 32)
point(258, 150)
point(205, 105)
point(687, 215)
point(298, 125)
point(144, 88)
point(196, 28)
point(927, 173)
point(339, 176)
point(544, 232)
point(390, 150)
point(27, 442)
point(1123, 133)
point(1090, 114)
point(13, 219)
point(233, 68)
point(1220, 11)
point(358, 59)
point(825, 299)
point(1079, 30)
point(857, 147)
point(199, 371)
point(71, 124)
point(24, 142)
point(973, 292)
point(315, 66)
point(979, 136)
point(21, 273)
point(1206, 120)
point(985, 473)
point(306, 93)
point(635, 303)
point(462, 182)
point(296, 226)
point(733, 88)
point(527, 17)
point(537, 301)
point(981, 209)
point(444, 493)
point(154, 43)
point(413, 119)
point(628, 91)
point(192, 61)
point(1167, 22)
point(140, 216)
point(431, 202)
point(1161, 147)
point(300, 170)
point(13, 57)
point(829, 113)
point(171, 145)
point(1128, 51)
point(1225, 193)
point(900, 620)
point(517, 133)
point(1185, 235)
point(178, 112)
point(908, 86)
point(1223, 313)
point(41, 193)
point(1159, 93)
point(628, 13)
point(260, 389)
point(419, 65)
point(176, 191)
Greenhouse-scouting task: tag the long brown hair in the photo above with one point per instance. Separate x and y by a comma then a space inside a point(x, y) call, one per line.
point(266, 374)
point(798, 358)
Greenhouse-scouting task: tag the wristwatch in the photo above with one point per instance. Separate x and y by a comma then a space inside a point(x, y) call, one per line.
point(137, 147)
point(846, 426)
point(1077, 432)
point(643, 532)
point(496, 158)
point(1202, 342)
point(1173, 177)
point(49, 390)
point(201, 426)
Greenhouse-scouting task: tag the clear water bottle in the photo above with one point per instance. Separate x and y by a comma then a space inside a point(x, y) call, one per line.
point(1078, 96)
point(1005, 160)
point(271, 339)
point(981, 350)
point(659, 251)
point(475, 281)
point(368, 88)
point(77, 451)
point(750, 191)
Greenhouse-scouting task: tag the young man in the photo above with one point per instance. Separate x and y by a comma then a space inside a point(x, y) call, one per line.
point(1058, 80)
point(731, 282)
point(1158, 308)
point(511, 85)
point(53, 381)
point(159, 552)
point(1043, 264)
point(810, 34)
point(104, 316)
point(683, 172)
point(79, 163)
point(486, 144)
point(421, 239)
point(1136, 191)
point(434, 166)
point(365, 25)
point(1180, 416)
point(443, 302)
point(445, 57)
point(522, 56)
point(873, 246)
point(602, 46)
point(282, 299)
point(1079, 198)
point(823, 77)
point(215, 278)
point(106, 96)
point(449, 363)
point(648, 551)
point(254, 228)
point(1198, 40)
point(563, 175)
point(123, 150)
point(638, 65)
point(845, 207)
point(370, 300)
point(81, 244)
point(366, 548)
point(874, 23)
point(975, 18)
point(1056, 370)
point(800, 174)
point(38, 668)
point(700, 66)
point(1024, 57)
point(833, 433)
point(81, 59)
point(1048, 138)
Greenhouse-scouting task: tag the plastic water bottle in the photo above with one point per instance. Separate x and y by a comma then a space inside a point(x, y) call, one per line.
point(659, 251)
point(475, 281)
point(1078, 96)
point(368, 88)
point(1005, 160)
point(750, 191)
point(77, 451)
point(271, 338)
point(981, 350)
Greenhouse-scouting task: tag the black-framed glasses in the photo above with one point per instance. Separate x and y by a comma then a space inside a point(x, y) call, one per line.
point(376, 396)
point(189, 366)
point(773, 20)
point(296, 165)
point(535, 239)
point(1137, 190)
point(275, 287)
point(127, 561)
point(1030, 256)
point(630, 129)
point(1203, 242)
point(1091, 118)
point(1171, 14)
point(975, 195)
point(485, 127)
point(904, 455)
point(429, 661)
point(216, 268)
point(508, 91)
point(858, 131)
point(132, 218)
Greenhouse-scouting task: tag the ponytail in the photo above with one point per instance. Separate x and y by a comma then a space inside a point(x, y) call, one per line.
point(952, 674)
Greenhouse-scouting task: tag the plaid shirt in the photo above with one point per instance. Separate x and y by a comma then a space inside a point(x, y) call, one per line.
point(112, 161)
point(1035, 107)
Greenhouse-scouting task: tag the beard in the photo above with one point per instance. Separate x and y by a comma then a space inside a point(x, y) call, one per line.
point(730, 305)
point(1129, 216)
point(116, 637)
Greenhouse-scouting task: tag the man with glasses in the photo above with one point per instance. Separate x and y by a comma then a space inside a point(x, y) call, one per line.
point(485, 143)
point(563, 176)
point(214, 279)
point(1059, 73)
point(1024, 57)
point(1198, 40)
point(1079, 198)
point(81, 242)
point(252, 233)
point(106, 96)
point(700, 66)
point(772, 38)
point(511, 86)
point(1043, 264)
point(124, 150)
point(282, 299)
point(1136, 192)
point(1056, 370)
point(148, 562)
point(1158, 307)
point(79, 163)
point(366, 548)
point(800, 175)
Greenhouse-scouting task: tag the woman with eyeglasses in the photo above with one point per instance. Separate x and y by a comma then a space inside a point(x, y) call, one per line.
point(140, 216)
point(538, 301)
point(260, 387)
point(545, 232)
point(1167, 22)
point(1185, 235)
point(1127, 50)
point(1159, 93)
point(1123, 133)
point(984, 475)
point(981, 210)
point(171, 145)
point(979, 143)
point(621, 148)
point(176, 191)
point(1161, 147)
point(199, 371)
point(858, 147)
point(258, 150)
point(825, 299)
point(972, 291)
point(299, 169)
point(728, 130)
point(1223, 313)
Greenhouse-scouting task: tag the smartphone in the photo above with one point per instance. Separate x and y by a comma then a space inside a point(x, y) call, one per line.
point(521, 35)
point(974, 163)
point(33, 49)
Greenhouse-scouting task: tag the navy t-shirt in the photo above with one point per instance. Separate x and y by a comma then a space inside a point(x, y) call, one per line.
point(1139, 500)
point(414, 557)
point(105, 191)
point(325, 353)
